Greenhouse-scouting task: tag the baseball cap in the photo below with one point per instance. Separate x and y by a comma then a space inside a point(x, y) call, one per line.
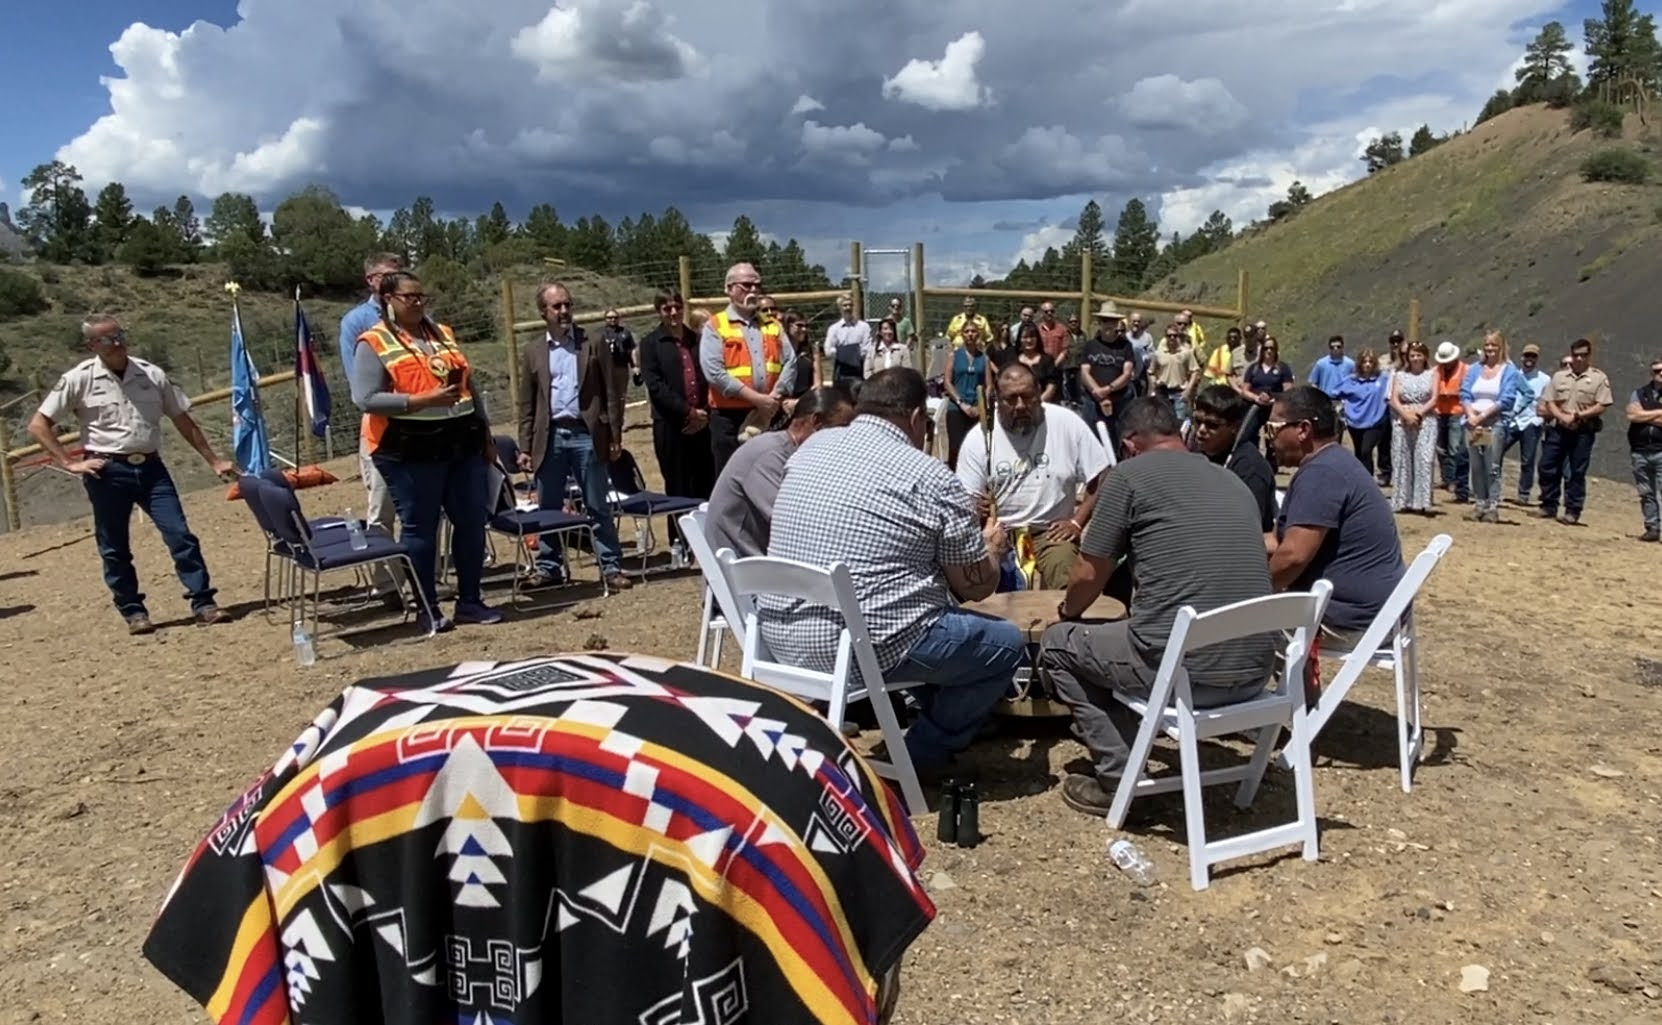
point(1532, 349)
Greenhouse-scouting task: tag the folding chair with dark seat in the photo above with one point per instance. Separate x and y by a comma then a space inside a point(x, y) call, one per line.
point(523, 525)
point(326, 532)
point(305, 548)
point(630, 498)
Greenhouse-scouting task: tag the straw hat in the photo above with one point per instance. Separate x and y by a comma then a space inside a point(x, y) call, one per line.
point(1109, 311)
point(1447, 352)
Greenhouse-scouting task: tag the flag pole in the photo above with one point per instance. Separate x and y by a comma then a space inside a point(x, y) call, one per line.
point(232, 288)
point(299, 384)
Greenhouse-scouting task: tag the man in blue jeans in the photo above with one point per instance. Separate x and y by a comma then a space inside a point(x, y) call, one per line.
point(571, 430)
point(1573, 408)
point(120, 401)
point(867, 496)
point(1644, 441)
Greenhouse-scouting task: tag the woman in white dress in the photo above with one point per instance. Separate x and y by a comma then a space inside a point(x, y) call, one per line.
point(1413, 441)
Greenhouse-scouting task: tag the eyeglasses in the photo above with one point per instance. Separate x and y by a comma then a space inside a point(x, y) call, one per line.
point(116, 337)
point(670, 307)
point(419, 298)
point(767, 309)
point(748, 286)
point(1208, 424)
point(1277, 426)
point(1656, 370)
point(557, 305)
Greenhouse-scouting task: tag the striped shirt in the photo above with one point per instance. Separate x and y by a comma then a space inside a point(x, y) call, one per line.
point(1192, 532)
point(865, 496)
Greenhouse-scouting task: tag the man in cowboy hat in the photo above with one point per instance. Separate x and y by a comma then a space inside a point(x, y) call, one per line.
point(1107, 370)
point(1452, 455)
point(955, 326)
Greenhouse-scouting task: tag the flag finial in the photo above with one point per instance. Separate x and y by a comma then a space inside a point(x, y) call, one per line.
point(233, 288)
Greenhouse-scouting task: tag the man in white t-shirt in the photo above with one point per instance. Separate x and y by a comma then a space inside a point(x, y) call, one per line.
point(1041, 455)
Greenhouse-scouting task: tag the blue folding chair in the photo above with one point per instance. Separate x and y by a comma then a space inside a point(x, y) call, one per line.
point(328, 532)
point(522, 525)
point(306, 550)
point(631, 498)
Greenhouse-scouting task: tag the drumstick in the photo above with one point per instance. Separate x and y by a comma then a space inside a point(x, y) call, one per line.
point(987, 436)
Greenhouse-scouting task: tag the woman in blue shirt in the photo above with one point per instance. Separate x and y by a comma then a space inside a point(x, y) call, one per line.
point(964, 382)
point(1363, 394)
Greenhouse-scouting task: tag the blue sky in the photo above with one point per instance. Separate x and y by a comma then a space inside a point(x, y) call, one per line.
point(976, 127)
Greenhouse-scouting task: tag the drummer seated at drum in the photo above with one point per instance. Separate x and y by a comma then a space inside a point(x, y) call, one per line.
point(1191, 533)
point(1029, 474)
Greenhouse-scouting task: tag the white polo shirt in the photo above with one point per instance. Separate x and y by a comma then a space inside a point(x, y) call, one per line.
point(1035, 478)
point(117, 414)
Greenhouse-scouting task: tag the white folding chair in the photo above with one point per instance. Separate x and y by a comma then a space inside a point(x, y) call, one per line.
point(1390, 642)
point(721, 610)
point(1170, 709)
point(833, 588)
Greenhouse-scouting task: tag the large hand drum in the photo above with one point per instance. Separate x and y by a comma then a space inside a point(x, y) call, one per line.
point(1034, 612)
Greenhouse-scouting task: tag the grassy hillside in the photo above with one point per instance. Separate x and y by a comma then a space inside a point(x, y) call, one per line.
point(1493, 229)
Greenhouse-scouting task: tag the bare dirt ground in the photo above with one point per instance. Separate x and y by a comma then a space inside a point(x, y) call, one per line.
point(1528, 847)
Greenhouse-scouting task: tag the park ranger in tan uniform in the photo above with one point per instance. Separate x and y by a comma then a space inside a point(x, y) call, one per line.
point(120, 401)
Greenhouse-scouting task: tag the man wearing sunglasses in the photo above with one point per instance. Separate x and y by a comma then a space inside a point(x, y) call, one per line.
point(120, 401)
point(1644, 438)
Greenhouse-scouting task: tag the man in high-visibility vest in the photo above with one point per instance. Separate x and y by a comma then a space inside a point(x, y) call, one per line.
point(955, 326)
point(747, 362)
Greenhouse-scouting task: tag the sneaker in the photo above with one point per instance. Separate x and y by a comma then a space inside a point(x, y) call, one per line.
point(1570, 519)
point(139, 623)
point(1476, 516)
point(209, 615)
point(1087, 794)
point(477, 612)
point(538, 580)
point(616, 581)
point(1544, 513)
point(1651, 534)
point(1492, 516)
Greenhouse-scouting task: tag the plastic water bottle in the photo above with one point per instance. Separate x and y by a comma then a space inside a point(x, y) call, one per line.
point(677, 555)
point(355, 532)
point(1132, 862)
point(305, 653)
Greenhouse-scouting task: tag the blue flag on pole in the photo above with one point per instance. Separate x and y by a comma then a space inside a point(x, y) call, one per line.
point(314, 389)
point(248, 436)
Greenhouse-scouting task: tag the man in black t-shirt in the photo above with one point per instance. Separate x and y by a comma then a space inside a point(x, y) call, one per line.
point(1219, 413)
point(1108, 370)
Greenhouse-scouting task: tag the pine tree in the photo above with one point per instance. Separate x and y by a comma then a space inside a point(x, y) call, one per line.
point(112, 216)
point(1422, 142)
point(57, 220)
point(1498, 104)
point(1546, 59)
point(1383, 152)
point(1622, 45)
point(542, 226)
point(1136, 244)
point(493, 227)
point(744, 243)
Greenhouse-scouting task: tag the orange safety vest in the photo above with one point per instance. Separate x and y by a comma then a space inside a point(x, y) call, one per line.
point(735, 356)
point(413, 372)
point(1447, 389)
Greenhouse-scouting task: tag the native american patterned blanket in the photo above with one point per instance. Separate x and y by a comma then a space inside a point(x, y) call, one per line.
point(589, 839)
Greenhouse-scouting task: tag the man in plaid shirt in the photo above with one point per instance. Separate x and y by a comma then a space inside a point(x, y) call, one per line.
point(867, 496)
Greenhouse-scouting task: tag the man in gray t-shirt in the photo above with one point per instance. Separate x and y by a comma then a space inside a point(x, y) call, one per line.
point(1190, 533)
point(740, 516)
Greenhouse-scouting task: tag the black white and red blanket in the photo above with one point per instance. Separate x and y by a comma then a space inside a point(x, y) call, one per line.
point(597, 838)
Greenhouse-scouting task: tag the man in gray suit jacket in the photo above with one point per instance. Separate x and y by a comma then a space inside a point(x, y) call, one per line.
point(570, 429)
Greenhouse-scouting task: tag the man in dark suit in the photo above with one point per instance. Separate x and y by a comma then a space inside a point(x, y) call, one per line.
point(679, 396)
point(570, 429)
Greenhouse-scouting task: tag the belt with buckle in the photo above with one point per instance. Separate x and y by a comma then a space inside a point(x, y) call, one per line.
point(133, 458)
point(569, 423)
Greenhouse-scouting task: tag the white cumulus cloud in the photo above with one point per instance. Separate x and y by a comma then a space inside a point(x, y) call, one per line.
point(1166, 101)
point(806, 104)
point(945, 84)
point(629, 42)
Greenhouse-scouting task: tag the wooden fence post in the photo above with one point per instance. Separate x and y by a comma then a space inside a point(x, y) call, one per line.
point(1085, 289)
point(856, 278)
point(1242, 303)
point(1413, 320)
point(917, 309)
point(510, 343)
point(8, 478)
point(684, 272)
